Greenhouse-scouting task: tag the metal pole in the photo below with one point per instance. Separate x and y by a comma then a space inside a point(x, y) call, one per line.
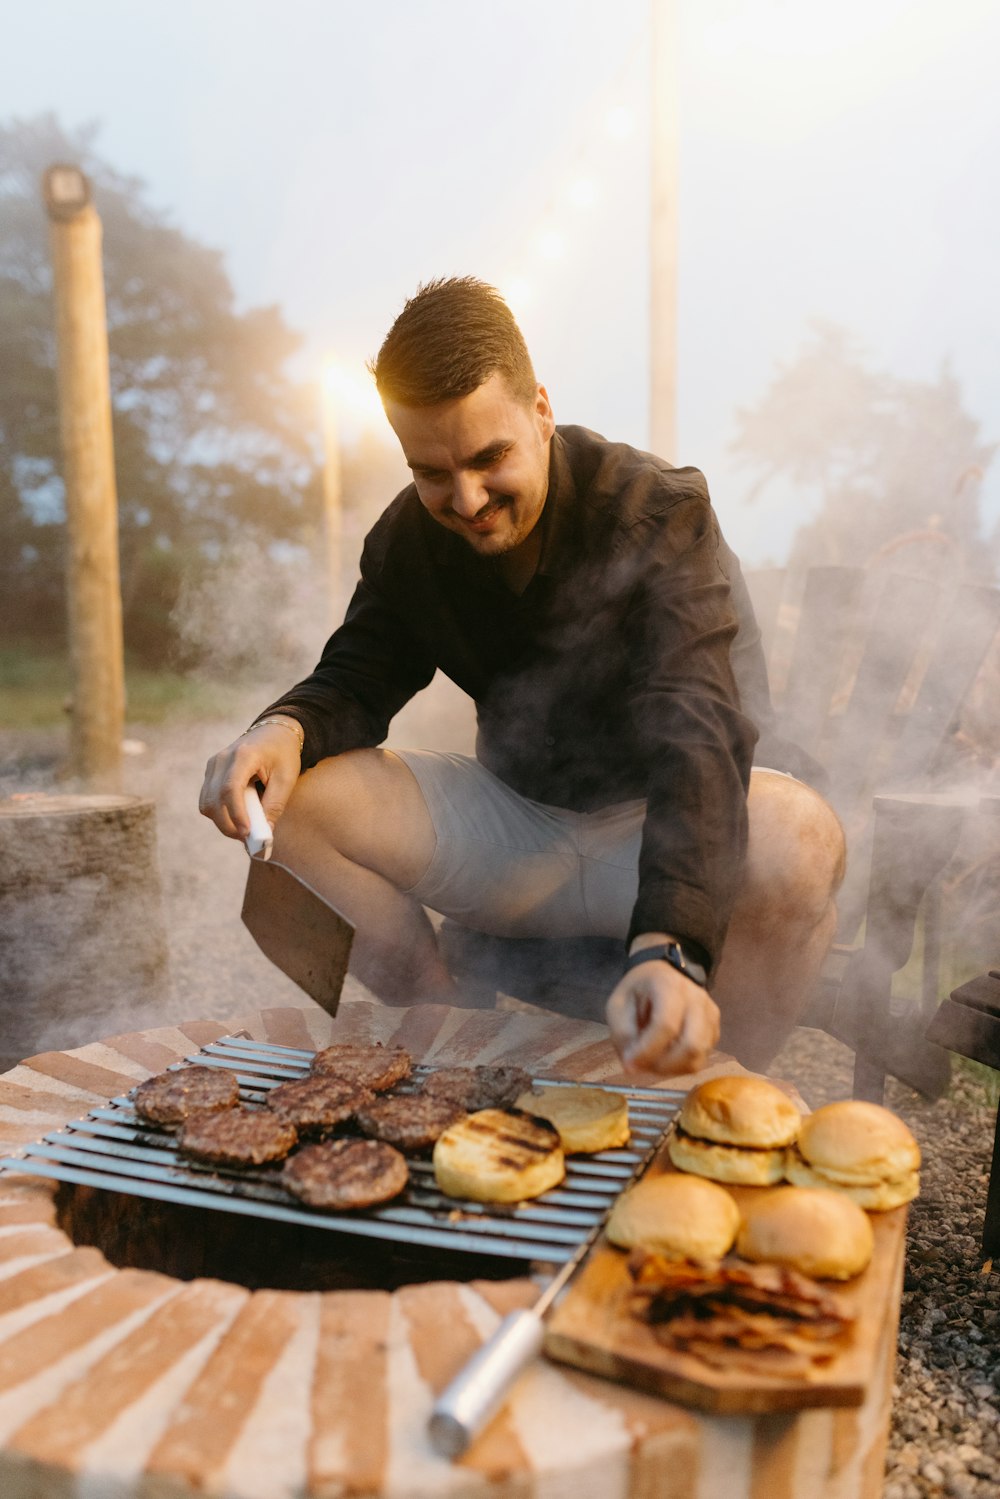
point(663, 230)
point(332, 498)
point(93, 585)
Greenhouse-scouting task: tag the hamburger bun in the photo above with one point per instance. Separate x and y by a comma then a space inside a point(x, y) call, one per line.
point(735, 1129)
point(497, 1155)
point(587, 1119)
point(727, 1163)
point(680, 1217)
point(820, 1233)
point(859, 1149)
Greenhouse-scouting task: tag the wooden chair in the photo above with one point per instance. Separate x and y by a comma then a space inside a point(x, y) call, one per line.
point(870, 670)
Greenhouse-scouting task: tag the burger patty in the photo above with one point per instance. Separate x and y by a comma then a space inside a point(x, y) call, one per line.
point(345, 1174)
point(476, 1088)
point(412, 1121)
point(170, 1097)
point(375, 1066)
point(237, 1137)
point(317, 1102)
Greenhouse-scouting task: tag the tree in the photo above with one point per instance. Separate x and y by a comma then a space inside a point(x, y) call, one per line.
point(883, 463)
point(213, 440)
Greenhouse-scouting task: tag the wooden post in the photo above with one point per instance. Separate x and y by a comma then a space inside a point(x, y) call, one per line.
point(663, 232)
point(93, 584)
point(332, 496)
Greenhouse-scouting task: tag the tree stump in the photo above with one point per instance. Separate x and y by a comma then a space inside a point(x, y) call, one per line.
point(81, 925)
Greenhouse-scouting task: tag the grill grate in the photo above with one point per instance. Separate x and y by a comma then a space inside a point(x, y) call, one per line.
point(116, 1150)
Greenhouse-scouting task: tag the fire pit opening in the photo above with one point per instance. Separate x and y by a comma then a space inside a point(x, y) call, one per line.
point(189, 1242)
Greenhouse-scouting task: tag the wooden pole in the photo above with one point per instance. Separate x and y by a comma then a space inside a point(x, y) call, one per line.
point(332, 498)
point(663, 228)
point(93, 584)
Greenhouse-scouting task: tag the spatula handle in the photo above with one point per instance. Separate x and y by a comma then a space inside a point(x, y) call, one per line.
point(478, 1391)
point(260, 839)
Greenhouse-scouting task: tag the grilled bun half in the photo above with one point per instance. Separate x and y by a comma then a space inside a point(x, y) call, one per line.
point(498, 1155)
point(859, 1149)
point(587, 1119)
point(818, 1232)
point(681, 1217)
point(735, 1129)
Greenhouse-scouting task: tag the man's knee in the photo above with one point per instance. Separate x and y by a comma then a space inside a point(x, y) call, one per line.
point(796, 853)
point(367, 805)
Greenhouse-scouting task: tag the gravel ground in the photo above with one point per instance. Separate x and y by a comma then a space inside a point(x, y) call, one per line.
point(945, 1438)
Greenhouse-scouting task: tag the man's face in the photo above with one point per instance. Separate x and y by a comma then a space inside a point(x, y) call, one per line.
point(481, 463)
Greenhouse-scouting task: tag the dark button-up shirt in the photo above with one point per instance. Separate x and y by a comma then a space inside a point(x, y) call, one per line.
point(609, 678)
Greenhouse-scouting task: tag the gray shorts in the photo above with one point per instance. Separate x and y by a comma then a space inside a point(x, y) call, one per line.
point(517, 868)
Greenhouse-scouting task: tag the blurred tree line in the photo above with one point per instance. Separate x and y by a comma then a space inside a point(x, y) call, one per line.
point(216, 444)
point(884, 468)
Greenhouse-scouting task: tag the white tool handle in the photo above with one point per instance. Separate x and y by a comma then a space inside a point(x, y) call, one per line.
point(260, 839)
point(477, 1392)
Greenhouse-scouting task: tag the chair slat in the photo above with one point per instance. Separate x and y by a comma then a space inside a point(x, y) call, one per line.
point(966, 633)
point(824, 626)
point(766, 586)
point(903, 607)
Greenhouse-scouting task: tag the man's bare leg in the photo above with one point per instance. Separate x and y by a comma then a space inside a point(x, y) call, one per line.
point(357, 829)
point(785, 917)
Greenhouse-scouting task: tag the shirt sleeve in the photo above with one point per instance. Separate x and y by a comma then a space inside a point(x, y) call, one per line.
point(370, 667)
point(695, 739)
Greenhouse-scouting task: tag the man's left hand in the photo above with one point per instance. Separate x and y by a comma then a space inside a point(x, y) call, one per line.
point(662, 1021)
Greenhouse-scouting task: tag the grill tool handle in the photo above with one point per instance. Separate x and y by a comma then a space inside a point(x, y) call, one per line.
point(260, 839)
point(478, 1391)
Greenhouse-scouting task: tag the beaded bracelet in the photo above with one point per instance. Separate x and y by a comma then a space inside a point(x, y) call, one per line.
point(280, 723)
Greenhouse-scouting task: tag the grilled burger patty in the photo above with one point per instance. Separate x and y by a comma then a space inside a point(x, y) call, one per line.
point(170, 1097)
point(237, 1137)
point(317, 1102)
point(345, 1173)
point(479, 1087)
point(375, 1066)
point(411, 1121)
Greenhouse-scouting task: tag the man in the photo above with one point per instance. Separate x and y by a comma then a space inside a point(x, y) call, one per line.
point(580, 592)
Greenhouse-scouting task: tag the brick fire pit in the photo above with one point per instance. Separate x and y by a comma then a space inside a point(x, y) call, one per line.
point(132, 1384)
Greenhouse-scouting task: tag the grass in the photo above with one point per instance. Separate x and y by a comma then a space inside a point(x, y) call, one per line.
point(35, 687)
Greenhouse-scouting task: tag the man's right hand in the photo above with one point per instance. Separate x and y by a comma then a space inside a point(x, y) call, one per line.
point(268, 754)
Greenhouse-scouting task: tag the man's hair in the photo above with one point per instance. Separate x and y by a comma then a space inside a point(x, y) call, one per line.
point(448, 339)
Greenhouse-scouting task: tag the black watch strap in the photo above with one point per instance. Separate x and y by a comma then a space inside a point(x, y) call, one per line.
point(674, 954)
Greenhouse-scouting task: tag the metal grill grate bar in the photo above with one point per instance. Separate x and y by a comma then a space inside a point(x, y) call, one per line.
point(116, 1150)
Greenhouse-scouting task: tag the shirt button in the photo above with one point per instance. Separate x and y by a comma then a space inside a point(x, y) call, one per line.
point(550, 740)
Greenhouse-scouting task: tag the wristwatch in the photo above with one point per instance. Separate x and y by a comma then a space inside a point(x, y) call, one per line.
point(674, 954)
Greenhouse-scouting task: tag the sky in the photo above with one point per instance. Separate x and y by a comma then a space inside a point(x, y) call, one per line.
point(836, 163)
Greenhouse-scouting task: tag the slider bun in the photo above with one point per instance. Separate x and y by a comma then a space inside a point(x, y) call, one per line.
point(861, 1140)
point(876, 1196)
point(740, 1111)
point(681, 1217)
point(817, 1232)
point(587, 1119)
point(498, 1155)
point(727, 1163)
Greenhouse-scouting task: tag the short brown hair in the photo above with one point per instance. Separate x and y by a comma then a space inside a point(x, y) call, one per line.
point(448, 339)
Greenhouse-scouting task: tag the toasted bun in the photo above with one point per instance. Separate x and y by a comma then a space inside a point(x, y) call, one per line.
point(740, 1111)
point(876, 1196)
point(496, 1155)
point(862, 1142)
point(820, 1233)
point(681, 1217)
point(587, 1119)
point(727, 1163)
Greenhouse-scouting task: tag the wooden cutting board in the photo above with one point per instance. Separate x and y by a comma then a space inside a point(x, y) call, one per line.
point(593, 1329)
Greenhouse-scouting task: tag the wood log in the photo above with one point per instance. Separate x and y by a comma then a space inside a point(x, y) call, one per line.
point(81, 925)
